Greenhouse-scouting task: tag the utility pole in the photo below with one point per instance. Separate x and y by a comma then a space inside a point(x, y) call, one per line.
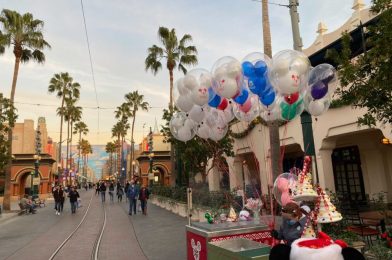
point(306, 118)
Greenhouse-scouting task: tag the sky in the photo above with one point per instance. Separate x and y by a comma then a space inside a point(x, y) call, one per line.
point(120, 32)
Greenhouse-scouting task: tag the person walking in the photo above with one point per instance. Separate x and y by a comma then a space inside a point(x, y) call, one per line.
point(97, 188)
point(62, 199)
point(111, 191)
point(73, 199)
point(132, 194)
point(102, 189)
point(120, 193)
point(126, 190)
point(143, 197)
point(58, 195)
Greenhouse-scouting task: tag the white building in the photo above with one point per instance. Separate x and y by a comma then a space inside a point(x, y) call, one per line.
point(350, 159)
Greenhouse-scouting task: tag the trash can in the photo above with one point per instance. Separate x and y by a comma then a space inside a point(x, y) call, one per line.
point(238, 248)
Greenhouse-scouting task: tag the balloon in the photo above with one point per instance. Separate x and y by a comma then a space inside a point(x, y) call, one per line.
point(268, 99)
point(319, 90)
point(179, 85)
point(215, 99)
point(227, 75)
point(223, 104)
point(289, 112)
point(248, 69)
point(203, 130)
point(212, 116)
point(271, 114)
point(282, 186)
point(228, 113)
point(181, 127)
point(197, 113)
point(190, 82)
point(325, 73)
point(292, 98)
point(316, 107)
point(184, 103)
point(251, 114)
point(246, 106)
point(257, 84)
point(218, 131)
point(242, 97)
point(260, 68)
point(289, 71)
point(197, 82)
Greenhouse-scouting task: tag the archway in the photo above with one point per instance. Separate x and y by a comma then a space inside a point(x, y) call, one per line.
point(159, 175)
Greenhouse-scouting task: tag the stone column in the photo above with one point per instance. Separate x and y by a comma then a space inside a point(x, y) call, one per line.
point(213, 179)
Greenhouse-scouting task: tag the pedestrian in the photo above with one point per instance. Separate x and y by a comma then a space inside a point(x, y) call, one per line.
point(58, 195)
point(102, 189)
point(73, 199)
point(111, 191)
point(120, 193)
point(143, 197)
point(62, 199)
point(85, 186)
point(27, 203)
point(97, 186)
point(132, 195)
point(126, 190)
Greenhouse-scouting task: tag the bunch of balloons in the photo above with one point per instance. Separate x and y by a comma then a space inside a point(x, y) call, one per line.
point(275, 89)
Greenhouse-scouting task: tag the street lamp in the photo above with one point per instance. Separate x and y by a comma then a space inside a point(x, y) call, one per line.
point(151, 156)
point(37, 158)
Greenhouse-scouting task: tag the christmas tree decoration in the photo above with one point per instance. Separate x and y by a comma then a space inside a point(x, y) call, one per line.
point(326, 212)
point(304, 189)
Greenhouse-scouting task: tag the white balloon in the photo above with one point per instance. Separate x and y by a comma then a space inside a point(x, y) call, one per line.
point(316, 107)
point(218, 131)
point(184, 134)
point(200, 95)
point(197, 113)
point(203, 131)
point(184, 103)
point(271, 114)
point(227, 74)
point(212, 117)
point(190, 124)
point(181, 87)
point(190, 81)
point(177, 122)
point(228, 113)
point(234, 69)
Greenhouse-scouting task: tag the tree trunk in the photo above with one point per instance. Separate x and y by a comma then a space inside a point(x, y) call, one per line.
point(133, 143)
point(80, 139)
point(172, 148)
point(266, 29)
point(171, 90)
point(66, 162)
point(60, 159)
point(7, 183)
point(70, 145)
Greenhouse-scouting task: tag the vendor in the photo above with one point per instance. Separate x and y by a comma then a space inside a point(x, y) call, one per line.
point(293, 224)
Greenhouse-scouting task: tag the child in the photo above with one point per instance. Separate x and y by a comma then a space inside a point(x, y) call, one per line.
point(293, 224)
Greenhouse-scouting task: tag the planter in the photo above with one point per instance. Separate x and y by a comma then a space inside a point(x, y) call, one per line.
point(182, 209)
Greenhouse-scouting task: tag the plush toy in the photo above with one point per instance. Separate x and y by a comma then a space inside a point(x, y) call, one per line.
point(283, 187)
point(321, 248)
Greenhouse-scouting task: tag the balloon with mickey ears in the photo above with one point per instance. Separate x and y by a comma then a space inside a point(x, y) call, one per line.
point(283, 185)
point(228, 77)
point(249, 110)
point(182, 127)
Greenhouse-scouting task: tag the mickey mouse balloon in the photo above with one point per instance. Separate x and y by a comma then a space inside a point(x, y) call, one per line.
point(227, 75)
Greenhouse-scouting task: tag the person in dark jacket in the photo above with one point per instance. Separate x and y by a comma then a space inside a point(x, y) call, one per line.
point(126, 190)
point(143, 197)
point(58, 195)
point(293, 224)
point(102, 189)
point(132, 194)
point(73, 199)
point(111, 191)
point(120, 193)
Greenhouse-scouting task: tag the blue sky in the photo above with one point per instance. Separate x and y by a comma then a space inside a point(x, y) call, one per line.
point(120, 33)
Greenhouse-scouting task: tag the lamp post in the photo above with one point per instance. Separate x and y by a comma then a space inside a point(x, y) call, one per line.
point(122, 174)
point(37, 159)
point(133, 168)
point(151, 156)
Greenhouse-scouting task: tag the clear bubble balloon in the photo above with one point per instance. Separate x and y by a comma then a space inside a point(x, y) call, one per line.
point(227, 75)
point(271, 114)
point(197, 113)
point(184, 102)
point(219, 130)
point(323, 80)
point(228, 113)
point(317, 107)
point(250, 112)
point(181, 127)
point(282, 186)
point(199, 81)
point(255, 69)
point(291, 111)
point(211, 117)
point(203, 130)
point(289, 71)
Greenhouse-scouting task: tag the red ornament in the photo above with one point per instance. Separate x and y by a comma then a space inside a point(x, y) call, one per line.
point(292, 98)
point(384, 235)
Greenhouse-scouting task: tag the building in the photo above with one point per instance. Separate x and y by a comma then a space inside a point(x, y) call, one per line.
point(351, 159)
point(24, 157)
point(160, 156)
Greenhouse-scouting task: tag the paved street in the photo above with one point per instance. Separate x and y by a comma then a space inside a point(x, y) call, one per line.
point(160, 235)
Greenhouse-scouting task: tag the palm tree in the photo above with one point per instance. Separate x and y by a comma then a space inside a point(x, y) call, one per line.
point(119, 131)
point(86, 149)
point(135, 101)
point(72, 112)
point(80, 128)
point(24, 33)
point(176, 53)
point(62, 84)
point(75, 115)
point(123, 113)
point(110, 149)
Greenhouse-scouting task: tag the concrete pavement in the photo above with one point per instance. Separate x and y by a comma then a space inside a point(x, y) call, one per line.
point(160, 235)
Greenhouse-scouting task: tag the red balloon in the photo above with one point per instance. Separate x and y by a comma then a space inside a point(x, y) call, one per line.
point(223, 104)
point(292, 98)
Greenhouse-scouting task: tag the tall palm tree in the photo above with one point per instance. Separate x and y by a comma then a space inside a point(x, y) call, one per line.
point(72, 112)
point(110, 149)
point(123, 113)
point(24, 33)
point(86, 149)
point(62, 84)
point(80, 128)
point(136, 102)
point(75, 116)
point(119, 130)
point(175, 53)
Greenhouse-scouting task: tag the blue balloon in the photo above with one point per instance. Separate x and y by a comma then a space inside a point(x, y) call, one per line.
point(241, 99)
point(248, 69)
point(257, 84)
point(268, 98)
point(260, 68)
point(214, 99)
